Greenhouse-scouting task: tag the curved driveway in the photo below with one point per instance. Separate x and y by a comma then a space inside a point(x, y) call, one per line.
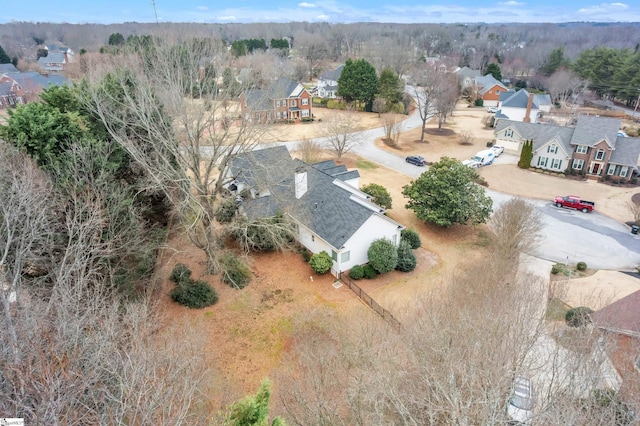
point(568, 236)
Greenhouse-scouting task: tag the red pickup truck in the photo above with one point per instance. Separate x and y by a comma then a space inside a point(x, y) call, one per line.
point(573, 202)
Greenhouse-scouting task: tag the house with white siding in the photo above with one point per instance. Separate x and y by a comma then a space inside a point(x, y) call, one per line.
point(330, 212)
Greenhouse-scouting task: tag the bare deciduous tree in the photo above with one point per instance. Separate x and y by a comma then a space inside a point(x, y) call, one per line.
point(466, 137)
point(309, 150)
point(517, 228)
point(340, 131)
point(392, 127)
point(178, 127)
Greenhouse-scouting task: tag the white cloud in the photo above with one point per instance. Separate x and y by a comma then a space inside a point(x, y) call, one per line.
point(603, 8)
point(202, 8)
point(512, 3)
point(322, 18)
point(305, 4)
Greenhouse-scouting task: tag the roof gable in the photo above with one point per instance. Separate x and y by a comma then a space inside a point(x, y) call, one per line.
point(591, 130)
point(332, 75)
point(627, 152)
point(330, 208)
point(519, 99)
point(487, 82)
point(621, 316)
point(541, 134)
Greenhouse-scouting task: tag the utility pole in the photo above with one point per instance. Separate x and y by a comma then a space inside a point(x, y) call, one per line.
point(637, 102)
point(153, 2)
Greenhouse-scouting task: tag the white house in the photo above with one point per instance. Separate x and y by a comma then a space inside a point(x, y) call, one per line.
point(331, 214)
point(523, 106)
point(328, 83)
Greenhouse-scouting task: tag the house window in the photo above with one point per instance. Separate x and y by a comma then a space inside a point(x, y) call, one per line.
point(508, 133)
point(305, 112)
point(305, 101)
point(345, 256)
point(257, 116)
point(623, 171)
point(334, 255)
point(552, 149)
point(542, 161)
point(582, 149)
point(599, 154)
point(556, 163)
point(577, 164)
point(611, 170)
point(277, 103)
point(313, 238)
point(293, 103)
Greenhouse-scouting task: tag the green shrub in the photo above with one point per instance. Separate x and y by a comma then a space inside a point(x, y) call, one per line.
point(489, 144)
point(194, 294)
point(383, 255)
point(235, 272)
point(306, 254)
point(369, 272)
point(180, 273)
point(226, 210)
point(478, 102)
point(357, 272)
point(581, 266)
point(557, 268)
point(379, 194)
point(411, 237)
point(321, 262)
point(406, 258)
point(578, 317)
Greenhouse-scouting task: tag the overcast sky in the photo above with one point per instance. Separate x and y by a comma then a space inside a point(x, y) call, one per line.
point(245, 11)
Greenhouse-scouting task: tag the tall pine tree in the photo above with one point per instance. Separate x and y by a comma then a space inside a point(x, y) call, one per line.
point(526, 155)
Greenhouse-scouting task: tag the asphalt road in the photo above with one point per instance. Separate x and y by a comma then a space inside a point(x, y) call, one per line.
point(569, 236)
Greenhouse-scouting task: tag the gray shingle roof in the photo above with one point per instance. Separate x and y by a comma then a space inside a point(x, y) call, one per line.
point(8, 69)
point(590, 130)
point(541, 134)
point(468, 72)
point(325, 207)
point(332, 75)
point(486, 82)
point(29, 79)
point(261, 100)
point(5, 89)
point(627, 152)
point(519, 99)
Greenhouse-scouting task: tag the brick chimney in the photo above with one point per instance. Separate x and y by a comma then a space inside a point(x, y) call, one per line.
point(300, 182)
point(527, 115)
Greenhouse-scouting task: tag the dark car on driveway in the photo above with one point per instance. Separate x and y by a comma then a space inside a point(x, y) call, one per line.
point(416, 159)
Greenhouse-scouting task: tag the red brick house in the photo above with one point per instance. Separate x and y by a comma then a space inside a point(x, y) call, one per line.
point(283, 101)
point(488, 89)
point(22, 87)
point(593, 148)
point(619, 324)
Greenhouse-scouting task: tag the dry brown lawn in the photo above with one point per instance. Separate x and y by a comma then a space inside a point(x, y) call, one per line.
point(248, 330)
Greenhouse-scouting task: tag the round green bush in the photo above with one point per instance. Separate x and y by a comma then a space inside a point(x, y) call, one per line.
point(581, 266)
point(406, 258)
point(369, 272)
point(557, 268)
point(383, 256)
point(578, 317)
point(194, 294)
point(180, 273)
point(235, 273)
point(410, 236)
point(357, 272)
point(321, 262)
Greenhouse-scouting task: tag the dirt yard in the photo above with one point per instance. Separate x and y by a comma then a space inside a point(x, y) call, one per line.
point(247, 330)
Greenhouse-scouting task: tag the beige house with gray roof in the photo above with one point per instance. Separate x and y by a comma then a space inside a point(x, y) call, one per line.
point(592, 148)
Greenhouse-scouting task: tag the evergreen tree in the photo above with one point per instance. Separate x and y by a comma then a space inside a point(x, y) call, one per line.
point(4, 58)
point(526, 155)
point(253, 410)
point(390, 87)
point(494, 70)
point(358, 81)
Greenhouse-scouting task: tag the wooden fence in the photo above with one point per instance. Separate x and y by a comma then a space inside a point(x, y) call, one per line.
point(368, 300)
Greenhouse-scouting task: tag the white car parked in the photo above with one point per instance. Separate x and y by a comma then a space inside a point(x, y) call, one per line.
point(520, 408)
point(492, 110)
point(497, 150)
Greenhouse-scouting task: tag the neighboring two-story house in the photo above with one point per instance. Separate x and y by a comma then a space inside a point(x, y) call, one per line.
point(330, 212)
point(283, 100)
point(22, 87)
point(487, 88)
point(592, 147)
point(466, 77)
point(328, 83)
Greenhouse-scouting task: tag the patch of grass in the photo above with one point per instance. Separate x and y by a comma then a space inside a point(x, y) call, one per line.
point(484, 239)
point(283, 325)
point(365, 164)
point(209, 314)
point(556, 310)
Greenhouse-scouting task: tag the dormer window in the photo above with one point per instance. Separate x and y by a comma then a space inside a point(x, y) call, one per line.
point(508, 133)
point(552, 149)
